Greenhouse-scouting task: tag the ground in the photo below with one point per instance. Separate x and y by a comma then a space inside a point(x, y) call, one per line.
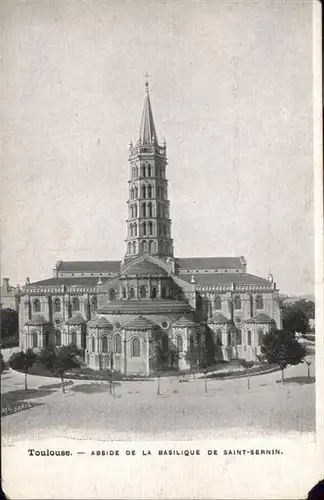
point(182, 411)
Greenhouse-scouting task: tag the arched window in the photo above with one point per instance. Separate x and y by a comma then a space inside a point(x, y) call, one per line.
point(237, 302)
point(229, 338)
point(149, 206)
point(163, 292)
point(142, 171)
point(151, 247)
point(144, 192)
point(124, 293)
point(218, 339)
point(136, 192)
point(149, 171)
point(136, 171)
point(58, 338)
point(132, 293)
point(249, 337)
point(191, 343)
point(179, 343)
point(129, 248)
point(35, 339)
point(112, 294)
point(144, 246)
point(74, 338)
point(238, 337)
point(218, 303)
point(135, 211)
point(134, 247)
point(136, 348)
point(75, 304)
point(57, 305)
point(135, 229)
point(153, 293)
point(143, 292)
point(259, 302)
point(94, 303)
point(133, 172)
point(150, 225)
point(260, 337)
point(117, 346)
point(143, 210)
point(104, 344)
point(132, 193)
point(37, 305)
point(149, 192)
point(93, 344)
point(144, 228)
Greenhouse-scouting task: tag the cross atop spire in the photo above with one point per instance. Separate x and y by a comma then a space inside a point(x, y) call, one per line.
point(146, 76)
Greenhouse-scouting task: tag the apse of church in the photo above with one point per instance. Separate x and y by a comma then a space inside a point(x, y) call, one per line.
point(148, 311)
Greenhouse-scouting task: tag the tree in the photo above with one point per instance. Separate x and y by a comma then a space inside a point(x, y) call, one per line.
point(281, 348)
point(247, 365)
point(296, 316)
point(192, 358)
point(308, 363)
point(23, 361)
point(61, 360)
point(9, 328)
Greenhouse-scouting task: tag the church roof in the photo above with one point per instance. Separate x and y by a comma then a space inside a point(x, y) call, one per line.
point(88, 266)
point(77, 319)
point(38, 319)
point(193, 263)
point(147, 133)
point(225, 279)
point(184, 322)
point(91, 282)
point(260, 318)
point(139, 323)
point(100, 322)
point(145, 268)
point(156, 306)
point(219, 318)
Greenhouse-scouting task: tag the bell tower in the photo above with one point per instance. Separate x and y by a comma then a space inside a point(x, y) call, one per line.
point(148, 222)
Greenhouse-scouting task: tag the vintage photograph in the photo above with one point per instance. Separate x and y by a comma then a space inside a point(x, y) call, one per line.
point(158, 241)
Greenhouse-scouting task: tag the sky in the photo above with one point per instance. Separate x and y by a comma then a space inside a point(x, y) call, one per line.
point(231, 92)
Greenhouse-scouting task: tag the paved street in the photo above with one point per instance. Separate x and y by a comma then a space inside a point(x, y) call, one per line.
point(182, 411)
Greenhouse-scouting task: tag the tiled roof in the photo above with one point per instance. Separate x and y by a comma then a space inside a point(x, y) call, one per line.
point(100, 323)
point(210, 263)
point(38, 319)
point(77, 319)
point(260, 318)
point(91, 282)
point(113, 266)
point(157, 306)
point(144, 268)
point(139, 323)
point(184, 322)
point(91, 266)
point(225, 279)
point(219, 318)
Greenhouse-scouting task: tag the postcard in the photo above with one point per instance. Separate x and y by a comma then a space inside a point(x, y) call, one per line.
point(162, 249)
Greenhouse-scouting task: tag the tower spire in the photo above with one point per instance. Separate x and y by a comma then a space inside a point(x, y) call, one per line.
point(147, 133)
point(148, 222)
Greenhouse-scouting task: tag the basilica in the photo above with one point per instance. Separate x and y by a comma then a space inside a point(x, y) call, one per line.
point(150, 310)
